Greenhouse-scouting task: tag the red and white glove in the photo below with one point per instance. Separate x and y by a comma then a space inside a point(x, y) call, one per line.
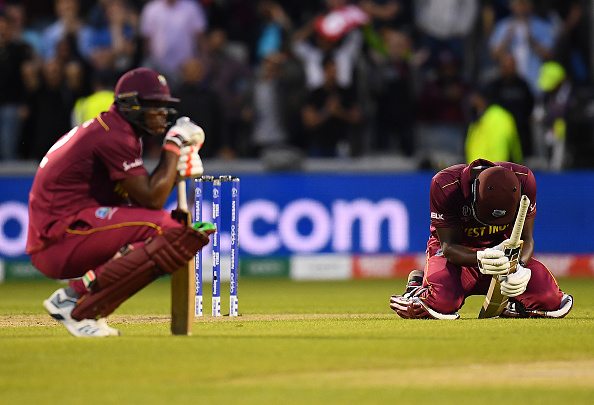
point(185, 132)
point(189, 164)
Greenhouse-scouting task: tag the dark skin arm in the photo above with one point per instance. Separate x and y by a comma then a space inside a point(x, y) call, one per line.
point(152, 191)
point(456, 253)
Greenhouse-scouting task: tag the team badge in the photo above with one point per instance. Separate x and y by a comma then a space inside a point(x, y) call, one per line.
point(102, 212)
point(162, 80)
point(105, 212)
point(498, 213)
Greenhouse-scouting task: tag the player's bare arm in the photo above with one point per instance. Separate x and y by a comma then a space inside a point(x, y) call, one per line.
point(185, 136)
point(453, 250)
point(152, 191)
point(528, 247)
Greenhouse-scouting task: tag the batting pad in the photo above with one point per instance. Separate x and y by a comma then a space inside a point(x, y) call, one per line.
point(123, 277)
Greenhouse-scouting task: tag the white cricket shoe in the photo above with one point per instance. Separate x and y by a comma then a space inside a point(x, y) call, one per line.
point(60, 305)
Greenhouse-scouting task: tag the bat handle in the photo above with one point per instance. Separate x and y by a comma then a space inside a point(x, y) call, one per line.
point(182, 199)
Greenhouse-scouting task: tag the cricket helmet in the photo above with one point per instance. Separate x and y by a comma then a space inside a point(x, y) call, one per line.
point(135, 91)
point(496, 196)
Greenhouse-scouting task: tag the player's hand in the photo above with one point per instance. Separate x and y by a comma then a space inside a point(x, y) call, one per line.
point(189, 164)
point(492, 261)
point(515, 284)
point(185, 132)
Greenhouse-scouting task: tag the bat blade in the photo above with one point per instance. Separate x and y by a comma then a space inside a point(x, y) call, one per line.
point(182, 280)
point(495, 301)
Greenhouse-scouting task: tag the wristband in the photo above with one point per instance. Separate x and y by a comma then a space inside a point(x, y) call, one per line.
point(175, 138)
point(172, 148)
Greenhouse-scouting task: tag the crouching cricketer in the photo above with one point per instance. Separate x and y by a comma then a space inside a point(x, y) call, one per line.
point(473, 209)
point(95, 214)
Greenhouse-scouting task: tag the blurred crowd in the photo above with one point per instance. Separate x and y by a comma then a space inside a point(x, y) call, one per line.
point(499, 79)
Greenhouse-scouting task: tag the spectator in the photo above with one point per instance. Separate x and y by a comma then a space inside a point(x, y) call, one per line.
point(173, 31)
point(275, 28)
point(528, 38)
point(301, 11)
point(493, 135)
point(572, 47)
point(312, 42)
point(239, 20)
point(49, 107)
point(393, 94)
point(230, 78)
point(86, 108)
point(492, 11)
point(201, 103)
point(552, 112)
point(445, 25)
point(442, 98)
point(512, 92)
point(14, 53)
point(331, 115)
point(114, 41)
point(442, 113)
point(267, 111)
point(32, 37)
point(388, 14)
point(77, 69)
point(67, 23)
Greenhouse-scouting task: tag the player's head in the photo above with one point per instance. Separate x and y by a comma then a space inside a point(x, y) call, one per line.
point(142, 97)
point(496, 196)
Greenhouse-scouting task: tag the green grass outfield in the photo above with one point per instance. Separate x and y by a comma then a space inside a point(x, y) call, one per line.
point(296, 343)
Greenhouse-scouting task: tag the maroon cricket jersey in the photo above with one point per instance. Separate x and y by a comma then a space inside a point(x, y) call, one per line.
point(82, 170)
point(451, 198)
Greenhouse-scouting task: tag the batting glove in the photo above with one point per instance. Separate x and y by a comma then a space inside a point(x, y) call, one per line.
point(515, 284)
point(189, 164)
point(492, 262)
point(185, 132)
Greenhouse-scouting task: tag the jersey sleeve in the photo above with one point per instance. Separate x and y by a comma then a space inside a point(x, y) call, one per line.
point(529, 189)
point(122, 156)
point(442, 213)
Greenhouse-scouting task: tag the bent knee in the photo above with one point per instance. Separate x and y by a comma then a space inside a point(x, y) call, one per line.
point(550, 301)
point(445, 303)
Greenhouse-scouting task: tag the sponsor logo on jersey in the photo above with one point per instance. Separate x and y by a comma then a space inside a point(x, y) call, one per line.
point(136, 163)
point(435, 215)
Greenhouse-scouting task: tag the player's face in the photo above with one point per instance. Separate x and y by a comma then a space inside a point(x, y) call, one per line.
point(155, 116)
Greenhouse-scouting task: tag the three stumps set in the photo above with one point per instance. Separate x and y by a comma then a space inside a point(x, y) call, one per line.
point(216, 244)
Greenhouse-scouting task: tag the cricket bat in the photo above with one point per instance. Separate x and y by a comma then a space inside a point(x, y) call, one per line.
point(495, 301)
point(182, 280)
